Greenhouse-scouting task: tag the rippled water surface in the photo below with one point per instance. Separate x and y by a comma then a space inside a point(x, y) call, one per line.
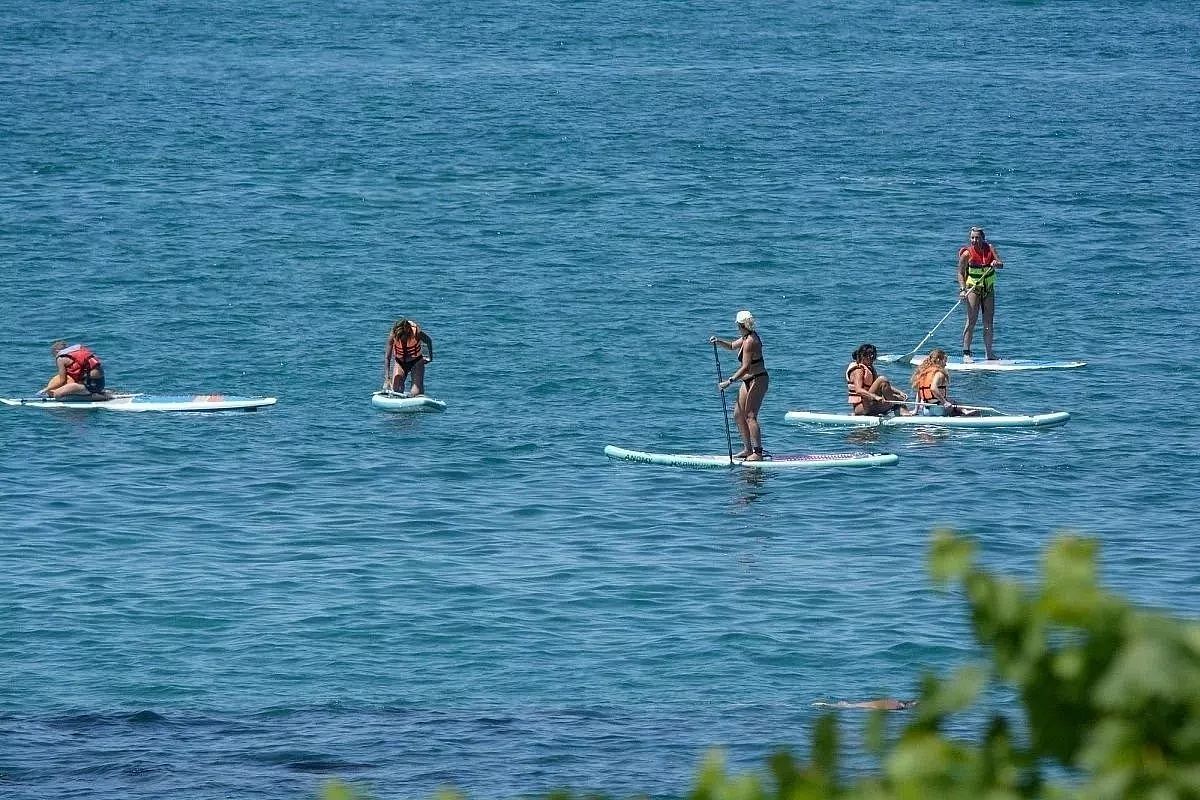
point(571, 199)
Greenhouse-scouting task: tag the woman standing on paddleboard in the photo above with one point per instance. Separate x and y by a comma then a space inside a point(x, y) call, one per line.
point(752, 372)
point(404, 348)
point(977, 265)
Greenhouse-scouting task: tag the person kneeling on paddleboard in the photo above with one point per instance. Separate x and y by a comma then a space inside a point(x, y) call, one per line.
point(977, 265)
point(932, 382)
point(753, 374)
point(404, 348)
point(869, 393)
point(79, 372)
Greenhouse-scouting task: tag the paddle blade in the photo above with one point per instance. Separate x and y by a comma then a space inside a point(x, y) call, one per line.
point(891, 358)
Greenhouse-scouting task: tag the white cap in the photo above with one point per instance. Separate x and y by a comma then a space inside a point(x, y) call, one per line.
point(745, 318)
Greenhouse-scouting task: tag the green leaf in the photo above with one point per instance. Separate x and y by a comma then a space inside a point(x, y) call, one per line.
point(950, 557)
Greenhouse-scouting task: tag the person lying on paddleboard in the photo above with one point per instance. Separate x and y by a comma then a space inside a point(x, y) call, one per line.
point(882, 704)
point(79, 372)
point(977, 265)
point(932, 382)
point(752, 372)
point(404, 349)
point(868, 392)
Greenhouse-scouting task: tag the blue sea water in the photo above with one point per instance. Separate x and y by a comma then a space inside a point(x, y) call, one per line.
point(241, 198)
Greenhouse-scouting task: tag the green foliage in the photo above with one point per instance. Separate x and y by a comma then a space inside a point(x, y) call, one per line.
point(1111, 696)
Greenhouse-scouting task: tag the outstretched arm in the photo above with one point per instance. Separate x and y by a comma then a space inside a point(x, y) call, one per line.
point(728, 345)
point(425, 338)
point(59, 379)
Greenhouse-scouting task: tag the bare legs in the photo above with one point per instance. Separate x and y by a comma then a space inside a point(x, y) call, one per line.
point(418, 378)
point(974, 304)
point(745, 413)
point(882, 387)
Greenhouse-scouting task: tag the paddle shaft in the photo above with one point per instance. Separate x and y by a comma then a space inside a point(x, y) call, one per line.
point(724, 404)
point(932, 331)
point(956, 405)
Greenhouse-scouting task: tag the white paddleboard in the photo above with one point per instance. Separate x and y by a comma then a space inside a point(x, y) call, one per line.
point(791, 461)
point(956, 364)
point(395, 401)
point(147, 402)
point(1048, 420)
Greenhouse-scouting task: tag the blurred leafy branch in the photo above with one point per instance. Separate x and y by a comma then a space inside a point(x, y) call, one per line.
point(1111, 696)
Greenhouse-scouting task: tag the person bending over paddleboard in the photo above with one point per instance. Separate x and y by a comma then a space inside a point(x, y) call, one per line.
point(752, 372)
point(977, 265)
point(79, 372)
point(868, 392)
point(932, 382)
point(404, 349)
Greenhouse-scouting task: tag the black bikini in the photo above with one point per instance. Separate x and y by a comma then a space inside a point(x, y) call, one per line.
point(749, 379)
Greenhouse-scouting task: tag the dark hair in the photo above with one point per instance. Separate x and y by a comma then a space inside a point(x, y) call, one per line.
point(864, 350)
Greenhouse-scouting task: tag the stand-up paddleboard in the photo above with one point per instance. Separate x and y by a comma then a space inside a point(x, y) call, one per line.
point(147, 402)
point(396, 401)
point(985, 420)
point(956, 364)
point(808, 461)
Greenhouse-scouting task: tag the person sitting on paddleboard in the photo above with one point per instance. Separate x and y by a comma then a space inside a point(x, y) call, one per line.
point(404, 348)
point(752, 372)
point(977, 265)
point(869, 393)
point(79, 372)
point(932, 382)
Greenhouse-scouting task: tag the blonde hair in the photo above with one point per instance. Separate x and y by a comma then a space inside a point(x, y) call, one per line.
point(934, 362)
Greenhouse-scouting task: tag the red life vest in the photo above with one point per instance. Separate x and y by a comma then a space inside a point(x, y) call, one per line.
point(409, 348)
point(83, 361)
point(979, 258)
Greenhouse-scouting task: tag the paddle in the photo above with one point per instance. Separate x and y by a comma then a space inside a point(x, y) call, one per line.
point(996, 411)
point(908, 356)
point(724, 404)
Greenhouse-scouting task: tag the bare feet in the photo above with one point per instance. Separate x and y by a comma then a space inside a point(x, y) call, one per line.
point(754, 457)
point(746, 452)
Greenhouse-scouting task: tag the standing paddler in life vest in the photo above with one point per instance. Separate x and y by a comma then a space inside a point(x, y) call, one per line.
point(977, 265)
point(79, 372)
point(404, 350)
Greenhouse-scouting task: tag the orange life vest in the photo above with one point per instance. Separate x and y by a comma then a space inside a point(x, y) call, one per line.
point(925, 393)
point(408, 348)
point(851, 397)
